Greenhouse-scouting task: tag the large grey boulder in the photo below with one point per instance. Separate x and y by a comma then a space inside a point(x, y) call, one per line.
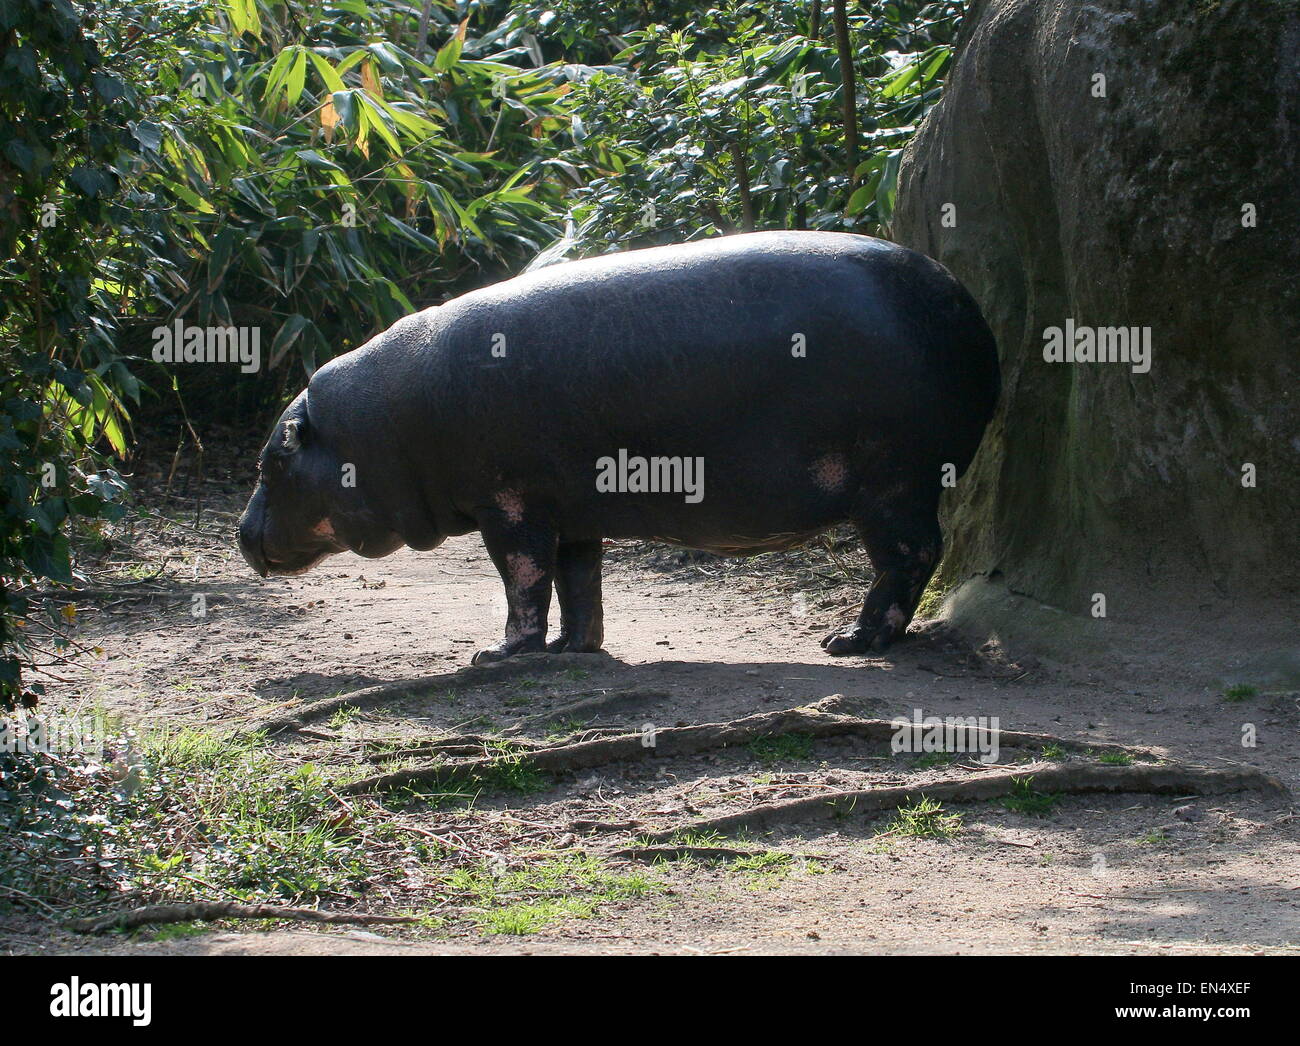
point(1126, 207)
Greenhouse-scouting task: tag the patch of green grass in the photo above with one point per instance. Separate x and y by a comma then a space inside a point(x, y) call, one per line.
point(929, 759)
point(459, 794)
point(1152, 838)
point(178, 931)
point(509, 773)
point(924, 819)
point(1115, 758)
point(1024, 800)
point(531, 916)
point(783, 748)
point(186, 750)
point(561, 728)
point(1053, 751)
point(531, 897)
point(575, 675)
point(343, 716)
point(1239, 692)
point(502, 747)
point(515, 777)
point(764, 868)
point(769, 868)
point(687, 837)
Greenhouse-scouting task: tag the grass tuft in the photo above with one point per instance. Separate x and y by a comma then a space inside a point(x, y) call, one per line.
point(924, 819)
point(1024, 800)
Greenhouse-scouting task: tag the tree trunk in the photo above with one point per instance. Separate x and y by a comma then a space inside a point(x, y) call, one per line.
point(845, 49)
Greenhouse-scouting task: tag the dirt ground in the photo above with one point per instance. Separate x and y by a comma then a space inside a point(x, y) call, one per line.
point(694, 641)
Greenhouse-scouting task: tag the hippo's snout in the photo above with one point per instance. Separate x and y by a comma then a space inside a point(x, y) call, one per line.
point(250, 536)
point(250, 544)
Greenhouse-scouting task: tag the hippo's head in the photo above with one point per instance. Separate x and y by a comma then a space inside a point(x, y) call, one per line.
point(302, 510)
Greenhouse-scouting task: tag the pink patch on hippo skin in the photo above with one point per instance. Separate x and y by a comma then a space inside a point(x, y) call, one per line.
point(830, 472)
point(509, 502)
point(895, 617)
point(324, 529)
point(524, 572)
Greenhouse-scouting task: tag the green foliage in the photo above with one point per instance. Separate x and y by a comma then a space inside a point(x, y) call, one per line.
point(308, 173)
point(63, 133)
point(733, 120)
point(186, 810)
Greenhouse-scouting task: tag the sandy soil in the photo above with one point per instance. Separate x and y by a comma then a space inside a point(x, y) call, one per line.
point(718, 644)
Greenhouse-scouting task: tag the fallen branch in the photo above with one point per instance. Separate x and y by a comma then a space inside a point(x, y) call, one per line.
point(206, 911)
point(584, 824)
point(678, 853)
point(451, 744)
point(463, 679)
point(1070, 779)
point(476, 744)
point(812, 720)
point(704, 853)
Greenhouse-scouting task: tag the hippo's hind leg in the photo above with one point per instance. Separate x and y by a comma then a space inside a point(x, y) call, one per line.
point(524, 554)
point(903, 539)
point(577, 584)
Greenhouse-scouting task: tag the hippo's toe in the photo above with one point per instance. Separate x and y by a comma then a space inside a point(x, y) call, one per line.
point(530, 644)
point(842, 644)
point(859, 641)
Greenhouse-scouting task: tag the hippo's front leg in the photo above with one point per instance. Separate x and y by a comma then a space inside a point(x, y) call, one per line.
point(524, 555)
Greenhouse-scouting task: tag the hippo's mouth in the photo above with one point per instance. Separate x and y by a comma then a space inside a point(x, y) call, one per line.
point(254, 549)
point(284, 570)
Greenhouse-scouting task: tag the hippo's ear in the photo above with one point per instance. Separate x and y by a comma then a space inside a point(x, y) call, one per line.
point(294, 431)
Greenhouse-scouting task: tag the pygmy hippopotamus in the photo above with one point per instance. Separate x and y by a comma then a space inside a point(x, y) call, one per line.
point(736, 395)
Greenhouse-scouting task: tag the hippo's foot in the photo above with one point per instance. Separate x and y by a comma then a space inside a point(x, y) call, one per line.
point(562, 644)
point(904, 542)
point(858, 641)
point(531, 644)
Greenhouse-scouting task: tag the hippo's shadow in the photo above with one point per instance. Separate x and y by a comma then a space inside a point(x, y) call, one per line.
point(599, 690)
point(310, 686)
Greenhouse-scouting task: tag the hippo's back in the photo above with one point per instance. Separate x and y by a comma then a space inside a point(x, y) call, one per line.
point(771, 323)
